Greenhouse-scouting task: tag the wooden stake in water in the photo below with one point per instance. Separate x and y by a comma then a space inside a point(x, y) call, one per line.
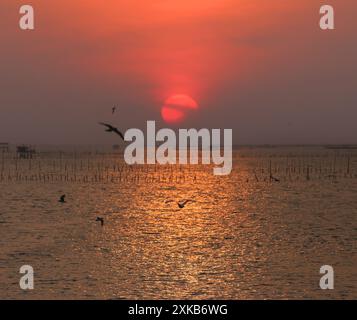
point(348, 165)
point(270, 176)
point(3, 161)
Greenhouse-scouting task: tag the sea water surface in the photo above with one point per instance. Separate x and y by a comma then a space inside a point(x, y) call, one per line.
point(243, 236)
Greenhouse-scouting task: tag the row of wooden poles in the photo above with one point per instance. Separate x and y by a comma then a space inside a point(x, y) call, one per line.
point(159, 178)
point(178, 177)
point(98, 178)
point(76, 163)
point(103, 169)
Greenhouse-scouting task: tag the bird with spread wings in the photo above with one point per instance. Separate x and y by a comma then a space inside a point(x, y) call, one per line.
point(110, 128)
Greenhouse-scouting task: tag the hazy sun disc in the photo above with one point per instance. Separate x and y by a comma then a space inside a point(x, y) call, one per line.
point(176, 108)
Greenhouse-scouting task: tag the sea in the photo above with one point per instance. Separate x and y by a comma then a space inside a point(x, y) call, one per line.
point(178, 231)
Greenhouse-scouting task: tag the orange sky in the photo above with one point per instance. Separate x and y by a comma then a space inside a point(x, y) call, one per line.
point(241, 60)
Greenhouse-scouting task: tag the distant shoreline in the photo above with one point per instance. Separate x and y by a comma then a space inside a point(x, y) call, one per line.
point(118, 148)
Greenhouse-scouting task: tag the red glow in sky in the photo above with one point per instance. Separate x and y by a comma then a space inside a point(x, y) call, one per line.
point(263, 68)
point(176, 108)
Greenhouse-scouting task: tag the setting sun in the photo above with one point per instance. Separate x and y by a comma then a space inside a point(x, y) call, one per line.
point(177, 107)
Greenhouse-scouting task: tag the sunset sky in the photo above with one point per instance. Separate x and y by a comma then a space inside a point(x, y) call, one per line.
point(262, 68)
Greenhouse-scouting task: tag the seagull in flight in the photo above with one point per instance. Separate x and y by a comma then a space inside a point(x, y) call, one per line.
point(62, 199)
point(101, 221)
point(182, 204)
point(110, 128)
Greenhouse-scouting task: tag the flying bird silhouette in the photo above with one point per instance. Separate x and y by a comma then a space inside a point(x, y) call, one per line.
point(101, 221)
point(182, 204)
point(110, 128)
point(62, 199)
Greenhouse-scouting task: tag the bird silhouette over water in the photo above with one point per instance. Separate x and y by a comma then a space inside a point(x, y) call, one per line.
point(62, 199)
point(101, 221)
point(182, 204)
point(114, 109)
point(110, 128)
